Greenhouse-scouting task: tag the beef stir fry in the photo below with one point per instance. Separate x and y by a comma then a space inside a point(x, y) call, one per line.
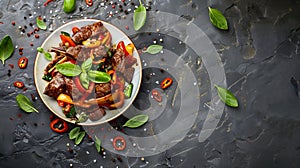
point(89, 72)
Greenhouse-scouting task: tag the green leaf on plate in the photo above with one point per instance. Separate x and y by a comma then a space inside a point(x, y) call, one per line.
point(25, 104)
point(99, 77)
point(87, 64)
point(68, 69)
point(136, 121)
point(48, 56)
point(227, 97)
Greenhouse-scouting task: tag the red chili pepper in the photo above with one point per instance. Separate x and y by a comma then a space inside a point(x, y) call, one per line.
point(119, 143)
point(19, 84)
point(75, 30)
point(67, 108)
point(121, 45)
point(156, 95)
point(61, 103)
point(89, 2)
point(22, 63)
point(58, 125)
point(47, 2)
point(78, 84)
point(67, 39)
point(166, 83)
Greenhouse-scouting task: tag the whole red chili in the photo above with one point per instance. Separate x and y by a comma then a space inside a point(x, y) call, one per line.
point(58, 125)
point(22, 63)
point(19, 84)
point(166, 83)
point(119, 143)
point(89, 2)
point(156, 95)
point(121, 45)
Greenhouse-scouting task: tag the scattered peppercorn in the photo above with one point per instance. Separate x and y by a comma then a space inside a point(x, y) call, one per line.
point(31, 44)
point(36, 36)
point(13, 23)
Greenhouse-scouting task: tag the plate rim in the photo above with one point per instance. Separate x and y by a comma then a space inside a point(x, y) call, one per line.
point(73, 121)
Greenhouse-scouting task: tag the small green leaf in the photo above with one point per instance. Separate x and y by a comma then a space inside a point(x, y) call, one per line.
point(6, 48)
point(82, 118)
point(74, 133)
point(68, 69)
point(25, 104)
point(40, 23)
point(99, 77)
point(139, 17)
point(40, 50)
point(227, 97)
point(65, 33)
point(48, 56)
point(84, 80)
point(80, 137)
point(87, 64)
point(217, 19)
point(97, 143)
point(71, 113)
point(136, 121)
point(154, 49)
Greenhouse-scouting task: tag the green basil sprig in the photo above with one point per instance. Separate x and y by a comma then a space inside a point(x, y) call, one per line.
point(87, 64)
point(47, 55)
point(68, 69)
point(217, 19)
point(99, 77)
point(139, 17)
point(40, 23)
point(76, 134)
point(6, 48)
point(227, 97)
point(97, 143)
point(25, 104)
point(154, 49)
point(136, 121)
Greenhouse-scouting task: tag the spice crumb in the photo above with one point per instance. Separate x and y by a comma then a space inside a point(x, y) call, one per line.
point(13, 23)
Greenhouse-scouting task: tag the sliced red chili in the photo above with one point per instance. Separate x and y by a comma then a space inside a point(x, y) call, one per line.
point(22, 63)
point(61, 103)
point(78, 84)
point(58, 125)
point(156, 95)
point(121, 45)
point(75, 30)
point(89, 2)
point(166, 83)
point(19, 84)
point(119, 143)
point(66, 39)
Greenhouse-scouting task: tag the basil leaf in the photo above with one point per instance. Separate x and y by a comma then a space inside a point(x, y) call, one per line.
point(25, 104)
point(154, 49)
point(97, 143)
point(217, 19)
point(48, 56)
point(136, 121)
point(40, 50)
point(74, 133)
point(139, 17)
point(68, 69)
point(87, 64)
point(40, 23)
point(82, 118)
point(69, 6)
point(80, 137)
point(84, 79)
point(71, 113)
point(227, 97)
point(6, 48)
point(99, 77)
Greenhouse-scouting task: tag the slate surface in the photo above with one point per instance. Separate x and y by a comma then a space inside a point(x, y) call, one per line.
point(259, 52)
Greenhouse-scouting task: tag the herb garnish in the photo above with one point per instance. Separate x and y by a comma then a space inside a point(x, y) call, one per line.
point(136, 121)
point(97, 143)
point(217, 19)
point(40, 23)
point(227, 97)
point(76, 134)
point(6, 48)
point(139, 17)
point(25, 104)
point(47, 55)
point(154, 49)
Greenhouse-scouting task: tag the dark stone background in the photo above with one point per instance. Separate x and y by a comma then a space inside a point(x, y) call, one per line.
point(260, 52)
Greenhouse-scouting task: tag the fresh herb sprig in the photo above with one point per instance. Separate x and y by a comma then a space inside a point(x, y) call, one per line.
point(47, 55)
point(40, 23)
point(25, 104)
point(217, 19)
point(76, 134)
point(139, 17)
point(227, 97)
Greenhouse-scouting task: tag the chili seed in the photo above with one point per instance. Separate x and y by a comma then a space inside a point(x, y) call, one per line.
point(36, 36)
point(13, 23)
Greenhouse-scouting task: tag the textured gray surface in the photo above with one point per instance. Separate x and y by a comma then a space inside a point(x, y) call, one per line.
point(260, 54)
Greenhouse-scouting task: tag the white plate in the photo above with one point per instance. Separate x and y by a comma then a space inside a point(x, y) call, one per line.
point(53, 41)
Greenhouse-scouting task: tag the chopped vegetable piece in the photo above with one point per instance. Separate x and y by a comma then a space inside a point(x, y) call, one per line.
point(65, 33)
point(167, 82)
point(64, 98)
point(66, 39)
point(75, 30)
point(119, 143)
point(58, 125)
point(128, 90)
point(121, 46)
point(19, 84)
point(22, 63)
point(156, 95)
point(47, 77)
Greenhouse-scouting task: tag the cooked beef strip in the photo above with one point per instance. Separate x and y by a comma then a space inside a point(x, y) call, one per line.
point(88, 31)
point(97, 114)
point(52, 64)
point(74, 51)
point(56, 86)
point(102, 89)
point(118, 61)
point(99, 51)
point(129, 61)
point(128, 74)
